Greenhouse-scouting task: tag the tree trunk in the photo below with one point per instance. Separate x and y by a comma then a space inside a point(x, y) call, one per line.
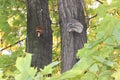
point(40, 47)
point(71, 41)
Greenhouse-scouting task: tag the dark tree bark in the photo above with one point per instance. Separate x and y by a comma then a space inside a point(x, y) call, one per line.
point(40, 47)
point(71, 41)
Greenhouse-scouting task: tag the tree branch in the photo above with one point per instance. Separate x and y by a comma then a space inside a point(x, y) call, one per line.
point(93, 16)
point(99, 1)
point(12, 44)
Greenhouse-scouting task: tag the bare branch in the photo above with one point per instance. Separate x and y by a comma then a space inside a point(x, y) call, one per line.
point(93, 17)
point(12, 44)
point(99, 1)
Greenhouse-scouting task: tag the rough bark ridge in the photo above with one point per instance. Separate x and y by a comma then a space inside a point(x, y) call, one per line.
point(71, 42)
point(41, 48)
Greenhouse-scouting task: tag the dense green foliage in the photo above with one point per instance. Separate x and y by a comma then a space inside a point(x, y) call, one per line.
point(99, 59)
point(12, 29)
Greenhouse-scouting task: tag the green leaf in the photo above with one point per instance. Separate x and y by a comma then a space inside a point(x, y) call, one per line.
point(67, 75)
point(88, 76)
point(104, 61)
point(48, 69)
point(116, 32)
point(101, 10)
point(84, 63)
point(94, 69)
point(116, 75)
point(1, 75)
point(23, 64)
point(94, 44)
point(105, 75)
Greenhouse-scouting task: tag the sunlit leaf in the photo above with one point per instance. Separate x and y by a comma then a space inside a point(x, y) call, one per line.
point(116, 75)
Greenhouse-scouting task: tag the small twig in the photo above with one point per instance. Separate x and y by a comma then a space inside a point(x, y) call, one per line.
point(12, 44)
point(100, 1)
point(92, 17)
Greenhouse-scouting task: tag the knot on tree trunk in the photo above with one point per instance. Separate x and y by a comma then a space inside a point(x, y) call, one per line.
point(74, 25)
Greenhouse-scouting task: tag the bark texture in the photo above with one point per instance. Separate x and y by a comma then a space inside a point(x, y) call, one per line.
point(71, 41)
point(40, 47)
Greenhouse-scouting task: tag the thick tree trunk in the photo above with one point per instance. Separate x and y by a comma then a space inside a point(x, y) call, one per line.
point(71, 41)
point(40, 47)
